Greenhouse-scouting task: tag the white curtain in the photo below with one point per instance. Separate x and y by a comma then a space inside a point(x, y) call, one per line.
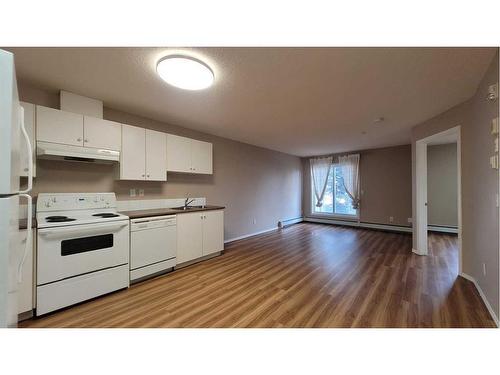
point(350, 173)
point(320, 169)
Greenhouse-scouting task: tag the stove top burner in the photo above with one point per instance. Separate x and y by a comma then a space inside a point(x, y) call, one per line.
point(106, 214)
point(58, 219)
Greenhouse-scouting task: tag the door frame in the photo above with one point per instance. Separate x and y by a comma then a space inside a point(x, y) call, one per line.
point(421, 230)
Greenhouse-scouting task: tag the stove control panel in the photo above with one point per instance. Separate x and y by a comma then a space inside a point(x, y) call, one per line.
point(74, 201)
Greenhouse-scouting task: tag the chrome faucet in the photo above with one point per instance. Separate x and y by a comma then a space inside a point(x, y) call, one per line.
point(187, 202)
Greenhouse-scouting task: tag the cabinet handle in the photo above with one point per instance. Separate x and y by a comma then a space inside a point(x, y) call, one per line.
point(78, 139)
point(148, 175)
point(142, 175)
point(86, 140)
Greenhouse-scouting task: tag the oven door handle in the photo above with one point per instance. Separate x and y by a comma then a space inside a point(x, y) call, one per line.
point(71, 231)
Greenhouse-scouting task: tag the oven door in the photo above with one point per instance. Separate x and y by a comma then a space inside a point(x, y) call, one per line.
point(75, 250)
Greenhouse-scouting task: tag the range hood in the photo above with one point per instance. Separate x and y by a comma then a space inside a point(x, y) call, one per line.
point(56, 151)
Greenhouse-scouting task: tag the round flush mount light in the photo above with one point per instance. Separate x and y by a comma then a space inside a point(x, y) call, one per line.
point(185, 72)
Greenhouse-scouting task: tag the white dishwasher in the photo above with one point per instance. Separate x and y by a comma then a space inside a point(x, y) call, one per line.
point(153, 245)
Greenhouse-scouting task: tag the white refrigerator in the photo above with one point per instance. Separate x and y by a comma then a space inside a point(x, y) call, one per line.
point(13, 141)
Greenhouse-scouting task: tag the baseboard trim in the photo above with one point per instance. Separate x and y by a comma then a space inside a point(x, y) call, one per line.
point(483, 297)
point(391, 228)
point(250, 235)
point(415, 251)
point(438, 228)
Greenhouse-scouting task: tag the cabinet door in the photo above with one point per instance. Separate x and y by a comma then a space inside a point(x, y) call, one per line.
point(99, 133)
point(189, 237)
point(25, 288)
point(58, 126)
point(156, 156)
point(29, 124)
point(201, 156)
point(178, 154)
point(213, 231)
point(133, 153)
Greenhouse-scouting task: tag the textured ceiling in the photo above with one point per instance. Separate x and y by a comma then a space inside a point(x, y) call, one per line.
point(302, 101)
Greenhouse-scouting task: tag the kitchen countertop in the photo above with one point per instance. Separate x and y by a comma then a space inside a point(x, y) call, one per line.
point(136, 214)
point(23, 223)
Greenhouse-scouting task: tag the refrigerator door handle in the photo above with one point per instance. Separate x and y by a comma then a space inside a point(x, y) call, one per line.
point(28, 237)
point(30, 154)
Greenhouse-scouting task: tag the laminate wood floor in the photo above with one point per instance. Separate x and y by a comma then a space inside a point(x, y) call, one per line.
point(306, 275)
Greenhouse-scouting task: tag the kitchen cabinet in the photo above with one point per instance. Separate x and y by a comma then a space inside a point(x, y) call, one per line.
point(29, 124)
point(213, 231)
point(143, 154)
point(58, 126)
point(74, 129)
point(156, 156)
point(201, 157)
point(25, 301)
point(99, 133)
point(188, 155)
point(199, 234)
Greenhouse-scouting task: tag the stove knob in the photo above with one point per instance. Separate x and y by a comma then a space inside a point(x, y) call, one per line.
point(47, 203)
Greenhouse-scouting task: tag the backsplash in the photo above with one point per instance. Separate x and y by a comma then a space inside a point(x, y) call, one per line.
point(148, 204)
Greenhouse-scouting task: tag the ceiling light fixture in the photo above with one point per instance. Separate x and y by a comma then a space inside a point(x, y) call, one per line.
point(185, 72)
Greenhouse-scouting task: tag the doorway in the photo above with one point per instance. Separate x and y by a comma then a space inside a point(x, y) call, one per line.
point(422, 210)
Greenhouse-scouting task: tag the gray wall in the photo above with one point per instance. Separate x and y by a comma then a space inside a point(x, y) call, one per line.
point(385, 182)
point(252, 182)
point(442, 185)
point(480, 225)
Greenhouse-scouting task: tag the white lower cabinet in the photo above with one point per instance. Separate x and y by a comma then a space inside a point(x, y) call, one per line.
point(213, 232)
point(199, 234)
point(25, 302)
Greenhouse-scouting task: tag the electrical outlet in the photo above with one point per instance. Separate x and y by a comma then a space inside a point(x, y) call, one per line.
point(497, 200)
point(484, 269)
point(410, 220)
point(132, 193)
point(141, 192)
point(254, 221)
point(391, 219)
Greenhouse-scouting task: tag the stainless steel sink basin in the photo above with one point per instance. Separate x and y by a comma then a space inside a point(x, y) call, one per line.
point(184, 208)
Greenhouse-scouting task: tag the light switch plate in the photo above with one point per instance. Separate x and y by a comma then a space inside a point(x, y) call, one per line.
point(494, 126)
point(141, 192)
point(493, 91)
point(132, 193)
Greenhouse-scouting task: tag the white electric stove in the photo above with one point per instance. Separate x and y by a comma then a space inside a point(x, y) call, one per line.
point(82, 248)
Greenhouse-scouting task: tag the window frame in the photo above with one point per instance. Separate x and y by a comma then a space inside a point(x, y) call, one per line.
point(333, 214)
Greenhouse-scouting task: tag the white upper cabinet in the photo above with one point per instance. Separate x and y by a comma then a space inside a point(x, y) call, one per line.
point(58, 126)
point(201, 157)
point(178, 154)
point(29, 124)
point(99, 133)
point(156, 156)
point(133, 153)
point(143, 154)
point(188, 155)
point(74, 129)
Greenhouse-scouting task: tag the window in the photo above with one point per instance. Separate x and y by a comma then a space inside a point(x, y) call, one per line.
point(336, 200)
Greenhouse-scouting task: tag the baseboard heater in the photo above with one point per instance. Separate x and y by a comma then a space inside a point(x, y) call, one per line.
point(392, 228)
point(288, 222)
point(442, 228)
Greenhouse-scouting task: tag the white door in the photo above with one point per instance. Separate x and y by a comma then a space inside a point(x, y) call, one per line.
point(99, 133)
point(133, 153)
point(25, 288)
point(178, 154)
point(58, 126)
point(156, 156)
point(201, 156)
point(189, 237)
point(213, 231)
point(29, 124)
